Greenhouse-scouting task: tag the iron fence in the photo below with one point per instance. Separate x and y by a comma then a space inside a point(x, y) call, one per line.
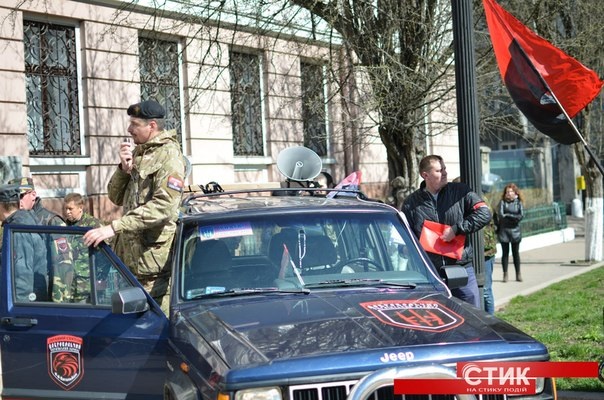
point(544, 218)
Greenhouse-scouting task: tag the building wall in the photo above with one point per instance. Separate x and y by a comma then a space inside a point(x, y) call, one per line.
point(110, 82)
point(108, 62)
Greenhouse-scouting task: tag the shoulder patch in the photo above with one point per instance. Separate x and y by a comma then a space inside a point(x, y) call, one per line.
point(61, 245)
point(175, 183)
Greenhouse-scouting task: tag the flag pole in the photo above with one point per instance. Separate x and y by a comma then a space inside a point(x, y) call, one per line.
point(572, 124)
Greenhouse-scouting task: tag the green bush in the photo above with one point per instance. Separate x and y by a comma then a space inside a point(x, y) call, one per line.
point(567, 318)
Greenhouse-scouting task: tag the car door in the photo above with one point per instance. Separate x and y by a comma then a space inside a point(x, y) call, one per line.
point(70, 344)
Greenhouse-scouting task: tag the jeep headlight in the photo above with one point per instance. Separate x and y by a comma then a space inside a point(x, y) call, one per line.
point(270, 393)
point(539, 385)
point(539, 388)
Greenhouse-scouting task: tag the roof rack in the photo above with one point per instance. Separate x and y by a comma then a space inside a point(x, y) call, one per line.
point(291, 191)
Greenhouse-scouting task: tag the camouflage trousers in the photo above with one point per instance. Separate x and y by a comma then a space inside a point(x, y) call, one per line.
point(159, 288)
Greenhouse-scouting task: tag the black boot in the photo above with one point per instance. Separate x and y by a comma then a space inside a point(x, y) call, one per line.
point(505, 276)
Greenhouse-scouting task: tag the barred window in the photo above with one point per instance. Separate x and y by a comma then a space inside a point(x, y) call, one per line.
point(160, 74)
point(51, 81)
point(314, 107)
point(246, 104)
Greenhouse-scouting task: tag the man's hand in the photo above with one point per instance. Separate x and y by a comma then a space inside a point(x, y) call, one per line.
point(95, 236)
point(448, 234)
point(126, 149)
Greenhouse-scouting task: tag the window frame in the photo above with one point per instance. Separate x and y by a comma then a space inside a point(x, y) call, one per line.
point(179, 88)
point(250, 158)
point(325, 97)
point(51, 233)
point(83, 158)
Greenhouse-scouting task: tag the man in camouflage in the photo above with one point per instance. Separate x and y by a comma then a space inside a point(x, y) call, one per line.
point(74, 214)
point(148, 183)
point(490, 250)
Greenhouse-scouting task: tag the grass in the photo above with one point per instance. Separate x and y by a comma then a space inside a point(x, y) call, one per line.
point(568, 317)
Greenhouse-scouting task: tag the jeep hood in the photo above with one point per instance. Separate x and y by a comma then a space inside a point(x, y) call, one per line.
point(383, 323)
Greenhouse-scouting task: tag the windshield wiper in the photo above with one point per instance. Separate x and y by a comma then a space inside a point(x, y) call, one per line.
point(360, 282)
point(246, 291)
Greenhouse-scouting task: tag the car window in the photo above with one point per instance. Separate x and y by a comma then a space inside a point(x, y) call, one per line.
point(59, 268)
point(291, 251)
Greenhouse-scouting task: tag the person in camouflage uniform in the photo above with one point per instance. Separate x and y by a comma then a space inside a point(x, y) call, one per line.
point(148, 183)
point(490, 249)
point(74, 214)
point(29, 250)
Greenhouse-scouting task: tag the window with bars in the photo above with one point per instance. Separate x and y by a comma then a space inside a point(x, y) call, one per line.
point(160, 74)
point(314, 107)
point(51, 81)
point(246, 104)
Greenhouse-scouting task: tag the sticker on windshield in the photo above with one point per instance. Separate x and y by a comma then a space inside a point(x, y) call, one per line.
point(225, 231)
point(423, 315)
point(65, 362)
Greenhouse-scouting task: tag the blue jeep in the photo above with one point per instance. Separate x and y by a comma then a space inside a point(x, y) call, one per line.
point(272, 298)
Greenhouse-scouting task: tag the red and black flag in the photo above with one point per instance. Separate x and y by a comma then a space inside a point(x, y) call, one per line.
point(542, 80)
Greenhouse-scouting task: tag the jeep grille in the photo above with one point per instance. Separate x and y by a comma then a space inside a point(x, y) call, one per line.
point(340, 390)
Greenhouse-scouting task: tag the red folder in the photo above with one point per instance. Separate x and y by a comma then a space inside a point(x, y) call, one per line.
point(431, 241)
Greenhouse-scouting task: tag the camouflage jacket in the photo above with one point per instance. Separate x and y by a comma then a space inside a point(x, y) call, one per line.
point(85, 220)
point(490, 235)
point(150, 196)
point(78, 290)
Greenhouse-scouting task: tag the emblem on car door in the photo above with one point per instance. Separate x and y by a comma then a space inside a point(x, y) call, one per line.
point(65, 362)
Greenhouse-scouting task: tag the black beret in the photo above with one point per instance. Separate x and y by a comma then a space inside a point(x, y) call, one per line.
point(148, 109)
point(9, 193)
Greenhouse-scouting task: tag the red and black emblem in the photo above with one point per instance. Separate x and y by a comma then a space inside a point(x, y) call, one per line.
point(422, 315)
point(62, 245)
point(65, 362)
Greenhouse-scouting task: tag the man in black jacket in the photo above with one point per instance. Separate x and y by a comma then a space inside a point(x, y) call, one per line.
point(28, 251)
point(451, 204)
point(29, 200)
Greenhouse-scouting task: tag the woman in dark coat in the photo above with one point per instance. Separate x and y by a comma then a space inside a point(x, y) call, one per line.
point(510, 212)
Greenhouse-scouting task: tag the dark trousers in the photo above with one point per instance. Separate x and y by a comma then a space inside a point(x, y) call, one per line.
point(505, 256)
point(469, 293)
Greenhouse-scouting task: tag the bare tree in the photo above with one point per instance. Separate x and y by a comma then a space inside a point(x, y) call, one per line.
point(404, 48)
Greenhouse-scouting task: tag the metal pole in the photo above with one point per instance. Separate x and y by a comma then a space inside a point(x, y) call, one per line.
point(467, 116)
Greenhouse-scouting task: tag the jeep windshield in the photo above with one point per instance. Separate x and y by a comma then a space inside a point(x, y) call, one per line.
point(284, 252)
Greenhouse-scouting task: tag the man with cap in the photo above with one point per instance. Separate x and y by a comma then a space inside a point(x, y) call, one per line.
point(148, 183)
point(59, 255)
point(29, 200)
point(28, 250)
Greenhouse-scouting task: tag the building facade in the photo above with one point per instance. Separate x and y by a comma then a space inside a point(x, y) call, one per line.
point(237, 97)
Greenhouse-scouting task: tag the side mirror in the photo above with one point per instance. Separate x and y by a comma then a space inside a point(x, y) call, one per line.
point(129, 301)
point(455, 276)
